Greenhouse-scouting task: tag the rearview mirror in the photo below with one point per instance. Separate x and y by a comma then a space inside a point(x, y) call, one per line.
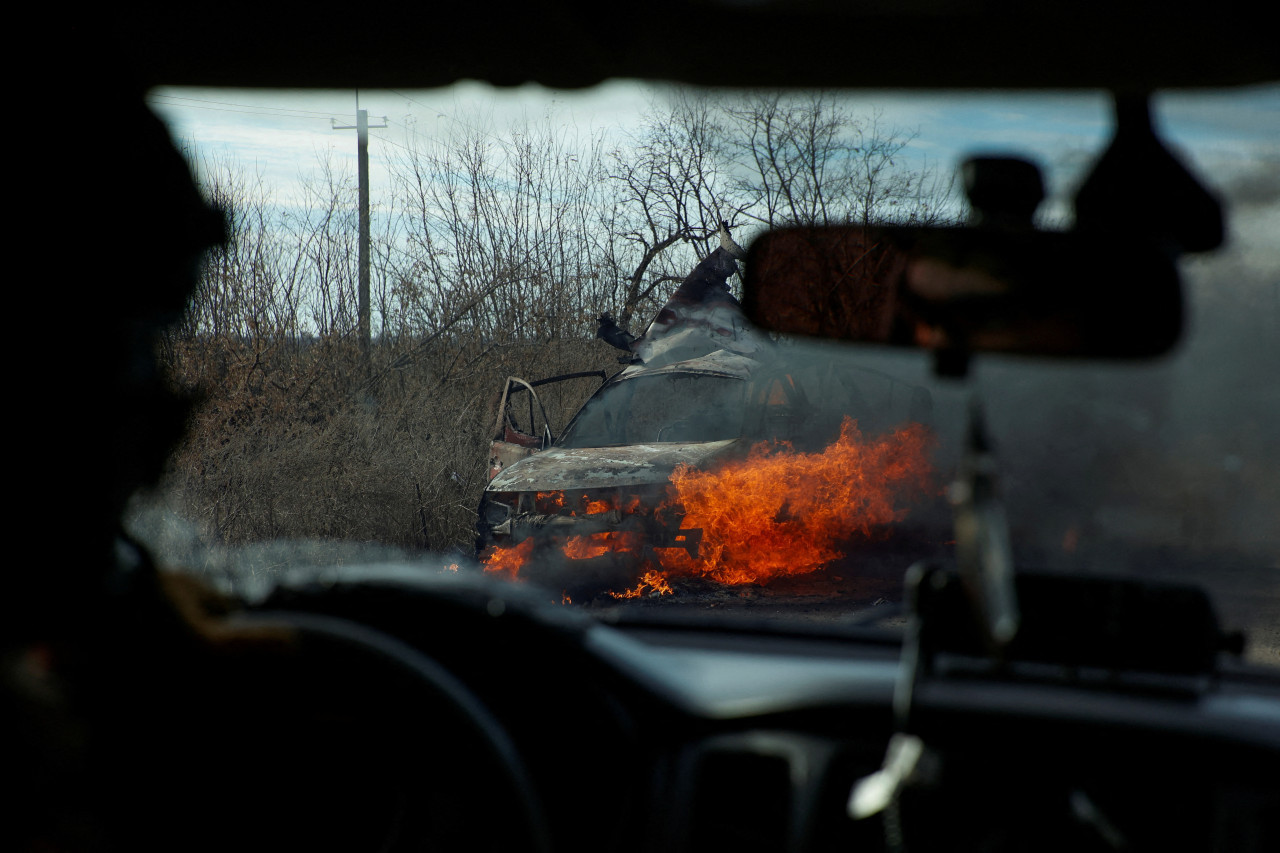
point(968, 289)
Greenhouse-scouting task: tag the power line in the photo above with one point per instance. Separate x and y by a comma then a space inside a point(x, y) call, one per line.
point(443, 115)
point(227, 106)
point(172, 97)
point(212, 105)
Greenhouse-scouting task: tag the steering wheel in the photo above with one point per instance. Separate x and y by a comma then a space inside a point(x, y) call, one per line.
point(386, 749)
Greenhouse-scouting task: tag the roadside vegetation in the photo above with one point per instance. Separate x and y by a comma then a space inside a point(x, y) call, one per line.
point(492, 255)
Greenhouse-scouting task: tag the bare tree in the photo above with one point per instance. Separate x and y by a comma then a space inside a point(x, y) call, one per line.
point(502, 223)
point(671, 190)
point(807, 160)
point(495, 252)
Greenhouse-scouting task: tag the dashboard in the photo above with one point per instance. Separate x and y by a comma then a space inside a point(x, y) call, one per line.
point(668, 737)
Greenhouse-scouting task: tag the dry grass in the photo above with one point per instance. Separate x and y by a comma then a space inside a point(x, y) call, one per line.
point(295, 443)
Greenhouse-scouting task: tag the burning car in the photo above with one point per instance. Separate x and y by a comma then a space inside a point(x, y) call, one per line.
point(596, 489)
point(613, 498)
point(380, 707)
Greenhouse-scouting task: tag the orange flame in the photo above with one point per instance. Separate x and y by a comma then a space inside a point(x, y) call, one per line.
point(652, 583)
point(585, 547)
point(779, 512)
point(775, 513)
point(549, 502)
point(598, 544)
point(508, 561)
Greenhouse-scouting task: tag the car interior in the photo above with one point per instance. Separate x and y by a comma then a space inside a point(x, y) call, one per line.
point(380, 708)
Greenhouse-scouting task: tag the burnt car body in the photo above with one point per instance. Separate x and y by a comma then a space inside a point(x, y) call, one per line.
point(608, 471)
point(376, 708)
point(593, 500)
point(590, 509)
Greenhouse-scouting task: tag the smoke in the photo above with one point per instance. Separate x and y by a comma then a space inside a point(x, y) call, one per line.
point(1166, 468)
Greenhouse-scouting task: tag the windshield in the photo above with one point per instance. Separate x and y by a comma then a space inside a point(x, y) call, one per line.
point(683, 407)
point(506, 225)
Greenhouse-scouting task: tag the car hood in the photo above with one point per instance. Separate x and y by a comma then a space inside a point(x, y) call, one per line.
point(604, 467)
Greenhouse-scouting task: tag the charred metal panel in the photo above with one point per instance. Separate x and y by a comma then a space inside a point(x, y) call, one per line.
point(558, 469)
point(504, 454)
point(718, 363)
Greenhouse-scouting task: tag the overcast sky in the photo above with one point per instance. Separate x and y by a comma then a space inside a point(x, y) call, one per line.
point(1227, 137)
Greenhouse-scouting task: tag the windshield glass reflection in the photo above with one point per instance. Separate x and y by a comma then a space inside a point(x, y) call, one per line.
point(497, 241)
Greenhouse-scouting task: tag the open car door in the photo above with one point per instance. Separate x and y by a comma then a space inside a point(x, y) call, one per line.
point(523, 426)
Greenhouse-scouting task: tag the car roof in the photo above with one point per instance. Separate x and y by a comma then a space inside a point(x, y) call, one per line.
point(718, 363)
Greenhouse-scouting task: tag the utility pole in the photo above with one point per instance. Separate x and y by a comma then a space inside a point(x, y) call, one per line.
point(361, 127)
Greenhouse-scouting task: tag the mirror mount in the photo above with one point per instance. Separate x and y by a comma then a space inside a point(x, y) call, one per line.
point(1004, 194)
point(1002, 191)
point(1138, 185)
